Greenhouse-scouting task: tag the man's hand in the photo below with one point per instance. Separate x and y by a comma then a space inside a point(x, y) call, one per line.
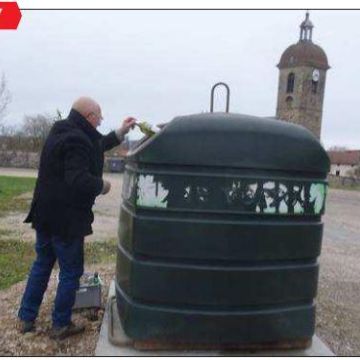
point(127, 124)
point(106, 187)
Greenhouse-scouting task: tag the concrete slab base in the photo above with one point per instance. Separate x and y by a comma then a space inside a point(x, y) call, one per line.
point(114, 342)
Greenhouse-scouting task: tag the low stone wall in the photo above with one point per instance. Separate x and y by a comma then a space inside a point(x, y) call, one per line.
point(30, 160)
point(339, 181)
point(19, 159)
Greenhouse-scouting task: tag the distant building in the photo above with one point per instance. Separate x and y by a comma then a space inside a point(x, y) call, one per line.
point(344, 162)
point(302, 76)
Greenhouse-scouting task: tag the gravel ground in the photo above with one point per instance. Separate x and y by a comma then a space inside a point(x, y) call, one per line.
point(338, 301)
point(38, 342)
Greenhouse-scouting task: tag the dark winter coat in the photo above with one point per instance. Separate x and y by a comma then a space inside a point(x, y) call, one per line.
point(70, 177)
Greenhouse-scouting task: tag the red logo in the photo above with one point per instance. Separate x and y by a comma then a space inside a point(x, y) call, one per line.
point(10, 15)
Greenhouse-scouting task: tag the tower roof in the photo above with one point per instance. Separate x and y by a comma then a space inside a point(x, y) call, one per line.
point(304, 52)
point(306, 23)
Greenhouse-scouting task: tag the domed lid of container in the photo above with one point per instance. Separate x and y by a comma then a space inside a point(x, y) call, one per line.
point(235, 141)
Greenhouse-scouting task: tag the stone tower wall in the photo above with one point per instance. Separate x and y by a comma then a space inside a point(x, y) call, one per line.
point(306, 107)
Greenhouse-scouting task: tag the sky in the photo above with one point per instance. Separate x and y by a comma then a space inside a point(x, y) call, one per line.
point(155, 65)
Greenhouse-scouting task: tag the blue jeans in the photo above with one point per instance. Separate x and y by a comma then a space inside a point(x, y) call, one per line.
point(70, 256)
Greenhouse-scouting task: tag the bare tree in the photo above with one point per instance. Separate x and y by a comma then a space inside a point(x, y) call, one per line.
point(37, 127)
point(5, 98)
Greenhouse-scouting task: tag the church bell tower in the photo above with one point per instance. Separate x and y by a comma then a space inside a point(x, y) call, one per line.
point(303, 68)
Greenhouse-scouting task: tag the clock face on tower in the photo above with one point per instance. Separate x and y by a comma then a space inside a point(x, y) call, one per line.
point(315, 75)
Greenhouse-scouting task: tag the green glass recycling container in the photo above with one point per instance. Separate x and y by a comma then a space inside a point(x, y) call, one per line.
point(220, 231)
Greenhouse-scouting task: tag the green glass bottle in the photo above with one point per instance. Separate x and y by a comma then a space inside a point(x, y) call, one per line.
point(96, 280)
point(145, 128)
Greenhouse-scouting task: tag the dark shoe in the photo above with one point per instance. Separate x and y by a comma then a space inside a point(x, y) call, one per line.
point(27, 326)
point(60, 333)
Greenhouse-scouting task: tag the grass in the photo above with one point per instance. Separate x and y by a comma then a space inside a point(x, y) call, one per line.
point(15, 260)
point(98, 252)
point(10, 188)
point(16, 257)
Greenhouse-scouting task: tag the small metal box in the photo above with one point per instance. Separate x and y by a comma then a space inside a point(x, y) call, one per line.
point(89, 293)
point(88, 297)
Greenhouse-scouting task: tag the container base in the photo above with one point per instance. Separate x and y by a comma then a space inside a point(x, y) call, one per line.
point(172, 346)
point(114, 342)
point(117, 337)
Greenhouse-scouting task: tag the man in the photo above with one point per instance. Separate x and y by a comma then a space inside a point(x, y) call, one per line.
point(69, 180)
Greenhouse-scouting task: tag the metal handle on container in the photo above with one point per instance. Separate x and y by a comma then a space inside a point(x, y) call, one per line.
point(227, 96)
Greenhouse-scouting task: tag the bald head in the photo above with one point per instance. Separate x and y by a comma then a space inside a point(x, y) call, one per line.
point(89, 109)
